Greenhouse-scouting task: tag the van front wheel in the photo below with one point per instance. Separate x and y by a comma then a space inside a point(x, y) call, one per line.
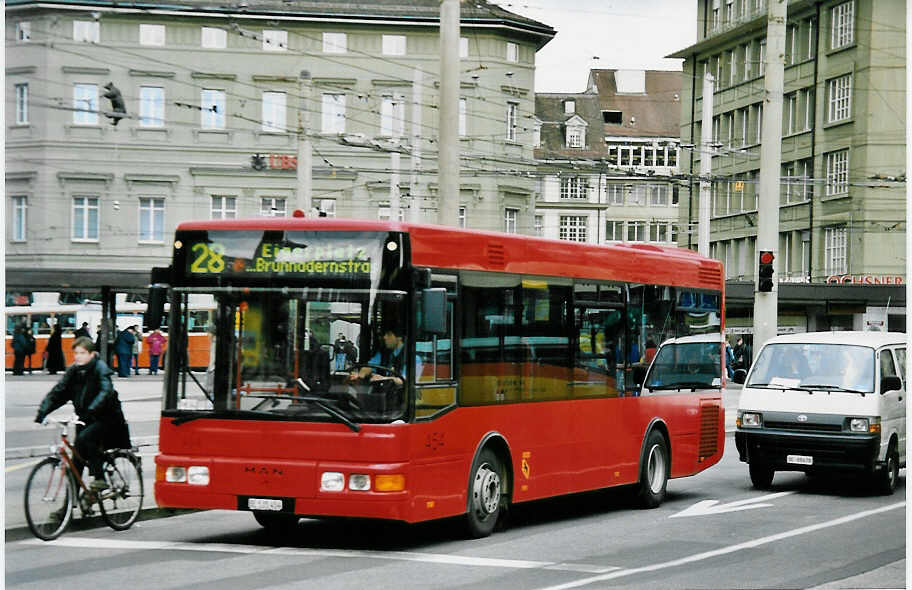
point(888, 476)
point(761, 475)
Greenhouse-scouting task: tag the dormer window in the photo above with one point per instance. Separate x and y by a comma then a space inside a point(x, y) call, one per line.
point(575, 136)
point(569, 107)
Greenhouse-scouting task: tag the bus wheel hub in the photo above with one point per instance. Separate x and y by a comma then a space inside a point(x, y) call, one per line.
point(486, 491)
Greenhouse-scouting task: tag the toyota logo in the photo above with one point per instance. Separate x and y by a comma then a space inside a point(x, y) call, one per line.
point(802, 418)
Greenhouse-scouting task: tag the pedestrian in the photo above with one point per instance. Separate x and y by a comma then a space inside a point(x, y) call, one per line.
point(53, 351)
point(156, 344)
point(729, 359)
point(123, 348)
point(137, 347)
point(339, 350)
point(20, 345)
point(30, 348)
point(351, 354)
point(82, 331)
point(740, 353)
point(98, 339)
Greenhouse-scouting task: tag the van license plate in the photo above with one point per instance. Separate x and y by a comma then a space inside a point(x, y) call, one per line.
point(799, 459)
point(264, 504)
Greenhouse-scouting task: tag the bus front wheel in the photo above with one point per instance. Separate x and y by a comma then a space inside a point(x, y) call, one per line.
point(276, 523)
point(654, 469)
point(486, 494)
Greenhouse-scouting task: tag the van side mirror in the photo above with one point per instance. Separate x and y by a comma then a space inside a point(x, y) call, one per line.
point(433, 311)
point(892, 383)
point(739, 376)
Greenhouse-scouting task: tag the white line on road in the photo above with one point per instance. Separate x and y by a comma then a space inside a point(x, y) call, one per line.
point(465, 560)
point(726, 550)
point(22, 465)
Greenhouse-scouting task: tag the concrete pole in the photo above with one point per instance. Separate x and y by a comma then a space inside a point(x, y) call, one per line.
point(706, 152)
point(305, 149)
point(766, 304)
point(415, 207)
point(448, 126)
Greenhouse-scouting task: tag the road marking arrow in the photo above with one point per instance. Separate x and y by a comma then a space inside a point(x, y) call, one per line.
point(707, 507)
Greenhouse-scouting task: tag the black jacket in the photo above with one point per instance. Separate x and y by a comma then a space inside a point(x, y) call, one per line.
point(90, 389)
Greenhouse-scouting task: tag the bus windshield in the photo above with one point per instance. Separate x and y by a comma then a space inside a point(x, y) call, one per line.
point(300, 354)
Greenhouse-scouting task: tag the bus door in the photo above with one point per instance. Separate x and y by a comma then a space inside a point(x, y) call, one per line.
point(434, 366)
point(599, 330)
point(545, 326)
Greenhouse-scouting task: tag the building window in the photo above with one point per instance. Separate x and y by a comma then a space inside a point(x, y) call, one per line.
point(716, 15)
point(637, 195)
point(393, 44)
point(85, 219)
point(636, 231)
point(151, 106)
point(748, 64)
point(335, 43)
point(613, 117)
point(85, 104)
point(811, 46)
point(22, 104)
point(836, 250)
point(151, 220)
point(20, 214)
point(326, 207)
point(512, 52)
point(274, 112)
point(462, 117)
point(658, 232)
point(614, 231)
point(536, 135)
point(463, 47)
point(762, 57)
point(510, 216)
point(333, 113)
point(658, 195)
point(223, 207)
point(212, 109)
point(539, 225)
point(574, 187)
point(86, 31)
point(842, 17)
point(392, 116)
point(796, 181)
point(213, 38)
point(615, 193)
point(275, 40)
point(840, 98)
point(575, 135)
point(462, 217)
point(152, 35)
point(808, 110)
point(383, 213)
point(512, 108)
point(572, 228)
point(272, 207)
point(790, 114)
point(23, 31)
point(569, 107)
point(837, 173)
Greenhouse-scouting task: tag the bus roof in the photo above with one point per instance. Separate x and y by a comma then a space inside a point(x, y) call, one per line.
point(467, 249)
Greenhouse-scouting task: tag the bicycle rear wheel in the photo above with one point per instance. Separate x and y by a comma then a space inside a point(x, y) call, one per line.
point(121, 502)
point(49, 496)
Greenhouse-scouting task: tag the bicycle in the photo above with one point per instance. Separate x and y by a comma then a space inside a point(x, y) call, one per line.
point(54, 488)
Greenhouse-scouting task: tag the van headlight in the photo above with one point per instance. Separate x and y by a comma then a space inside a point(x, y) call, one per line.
point(871, 425)
point(749, 420)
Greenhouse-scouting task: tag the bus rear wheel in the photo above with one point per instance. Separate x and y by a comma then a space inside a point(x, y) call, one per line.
point(654, 469)
point(486, 494)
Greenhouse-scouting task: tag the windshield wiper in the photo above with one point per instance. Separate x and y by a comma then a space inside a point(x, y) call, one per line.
point(681, 385)
point(209, 414)
point(830, 387)
point(328, 408)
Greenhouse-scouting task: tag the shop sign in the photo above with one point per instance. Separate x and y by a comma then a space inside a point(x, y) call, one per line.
point(273, 162)
point(864, 280)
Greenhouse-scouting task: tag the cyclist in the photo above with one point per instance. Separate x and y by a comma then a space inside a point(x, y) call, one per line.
point(87, 383)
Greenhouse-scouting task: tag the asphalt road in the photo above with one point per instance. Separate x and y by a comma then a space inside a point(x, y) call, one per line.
point(714, 531)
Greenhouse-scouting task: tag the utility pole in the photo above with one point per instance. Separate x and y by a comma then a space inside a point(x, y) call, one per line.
point(706, 153)
point(395, 205)
point(415, 206)
point(448, 126)
point(766, 303)
point(305, 149)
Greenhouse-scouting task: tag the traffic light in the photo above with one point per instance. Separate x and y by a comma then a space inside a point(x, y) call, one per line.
point(765, 272)
point(118, 108)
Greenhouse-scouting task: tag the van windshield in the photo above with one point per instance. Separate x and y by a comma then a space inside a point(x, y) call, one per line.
point(809, 366)
point(686, 364)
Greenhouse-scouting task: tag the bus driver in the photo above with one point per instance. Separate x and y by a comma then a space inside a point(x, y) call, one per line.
point(391, 356)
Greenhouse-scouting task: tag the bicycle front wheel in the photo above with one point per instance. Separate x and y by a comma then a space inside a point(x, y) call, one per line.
point(49, 496)
point(121, 502)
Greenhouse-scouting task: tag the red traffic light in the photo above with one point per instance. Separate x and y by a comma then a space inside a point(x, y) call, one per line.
point(766, 257)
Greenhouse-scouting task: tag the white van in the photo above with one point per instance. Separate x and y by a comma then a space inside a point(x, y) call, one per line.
point(688, 363)
point(825, 401)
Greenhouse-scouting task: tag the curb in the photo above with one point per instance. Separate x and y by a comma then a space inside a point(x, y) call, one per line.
point(22, 532)
point(44, 450)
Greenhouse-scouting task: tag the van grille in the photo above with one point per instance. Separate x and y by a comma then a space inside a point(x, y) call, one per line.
point(709, 430)
point(803, 426)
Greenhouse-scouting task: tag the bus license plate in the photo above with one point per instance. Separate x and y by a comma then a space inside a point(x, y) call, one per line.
point(264, 504)
point(799, 460)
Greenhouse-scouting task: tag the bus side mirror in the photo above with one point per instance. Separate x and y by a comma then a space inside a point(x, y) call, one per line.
point(892, 383)
point(433, 307)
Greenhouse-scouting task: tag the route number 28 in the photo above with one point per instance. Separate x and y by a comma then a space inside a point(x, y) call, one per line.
point(208, 258)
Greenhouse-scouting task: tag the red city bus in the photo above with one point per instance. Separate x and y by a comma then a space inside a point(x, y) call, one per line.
point(482, 370)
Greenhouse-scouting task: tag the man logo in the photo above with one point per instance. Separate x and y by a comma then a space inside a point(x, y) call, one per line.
point(802, 418)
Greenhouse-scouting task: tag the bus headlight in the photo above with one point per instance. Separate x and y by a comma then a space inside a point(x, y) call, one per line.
point(332, 481)
point(198, 475)
point(359, 482)
point(750, 420)
point(176, 474)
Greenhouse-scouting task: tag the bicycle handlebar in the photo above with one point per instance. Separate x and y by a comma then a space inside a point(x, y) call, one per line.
point(71, 419)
